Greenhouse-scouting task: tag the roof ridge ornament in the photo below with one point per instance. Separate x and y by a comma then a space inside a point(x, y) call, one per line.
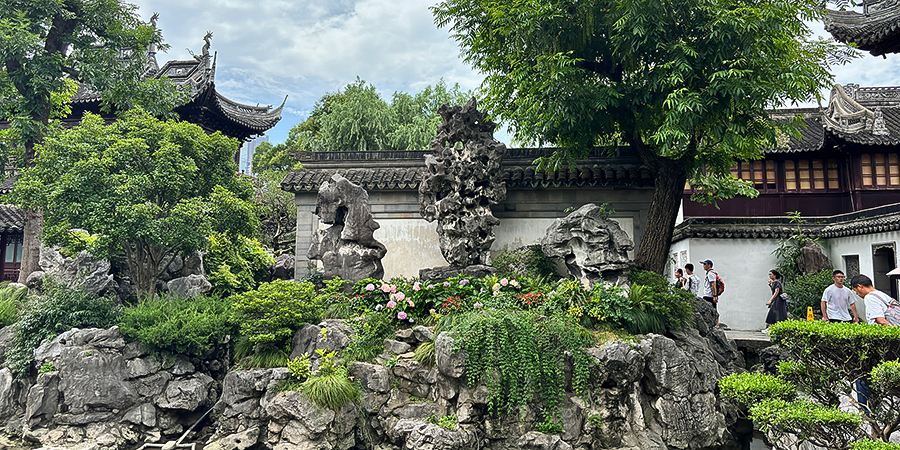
point(204, 52)
point(844, 113)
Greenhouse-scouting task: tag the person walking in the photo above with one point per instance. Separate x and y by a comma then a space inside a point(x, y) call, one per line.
point(691, 280)
point(777, 304)
point(710, 290)
point(877, 306)
point(837, 299)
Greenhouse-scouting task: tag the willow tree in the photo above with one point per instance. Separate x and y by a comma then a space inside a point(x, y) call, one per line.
point(50, 47)
point(688, 84)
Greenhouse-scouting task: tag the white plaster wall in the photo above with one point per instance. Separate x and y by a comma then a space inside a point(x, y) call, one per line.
point(744, 265)
point(412, 244)
point(861, 245)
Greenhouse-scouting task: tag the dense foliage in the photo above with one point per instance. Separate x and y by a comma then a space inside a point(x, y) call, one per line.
point(12, 299)
point(269, 315)
point(827, 359)
point(144, 187)
point(56, 311)
point(527, 261)
point(806, 290)
point(186, 326)
point(235, 263)
point(688, 85)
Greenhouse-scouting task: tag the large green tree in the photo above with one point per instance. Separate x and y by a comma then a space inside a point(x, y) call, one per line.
point(47, 48)
point(143, 187)
point(687, 84)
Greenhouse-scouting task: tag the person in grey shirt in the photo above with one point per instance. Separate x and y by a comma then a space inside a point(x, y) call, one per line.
point(837, 299)
point(691, 280)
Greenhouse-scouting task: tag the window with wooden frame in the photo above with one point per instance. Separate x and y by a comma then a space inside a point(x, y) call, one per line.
point(880, 170)
point(760, 173)
point(812, 175)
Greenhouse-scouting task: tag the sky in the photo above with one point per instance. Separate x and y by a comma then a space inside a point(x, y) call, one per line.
point(304, 49)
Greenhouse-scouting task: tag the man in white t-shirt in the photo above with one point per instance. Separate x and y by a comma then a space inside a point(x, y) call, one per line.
point(691, 280)
point(837, 299)
point(875, 306)
point(710, 293)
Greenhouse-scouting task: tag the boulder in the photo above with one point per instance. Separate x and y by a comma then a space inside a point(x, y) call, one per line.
point(812, 259)
point(347, 248)
point(82, 272)
point(449, 363)
point(283, 268)
point(593, 247)
point(189, 287)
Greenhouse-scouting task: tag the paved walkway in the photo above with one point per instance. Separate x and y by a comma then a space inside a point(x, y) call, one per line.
point(750, 340)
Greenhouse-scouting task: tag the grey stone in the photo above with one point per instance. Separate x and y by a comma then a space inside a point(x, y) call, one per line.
point(283, 267)
point(143, 414)
point(593, 248)
point(535, 440)
point(414, 371)
point(423, 334)
point(812, 259)
point(181, 367)
point(82, 272)
point(11, 392)
point(35, 280)
point(140, 367)
point(405, 335)
point(309, 338)
point(396, 347)
point(187, 394)
point(372, 377)
point(428, 436)
point(419, 410)
point(238, 441)
point(43, 399)
point(193, 264)
point(449, 363)
point(347, 248)
point(438, 274)
point(7, 334)
point(189, 287)
point(292, 405)
point(459, 186)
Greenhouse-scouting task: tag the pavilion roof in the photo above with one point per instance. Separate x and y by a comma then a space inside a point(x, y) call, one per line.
point(876, 30)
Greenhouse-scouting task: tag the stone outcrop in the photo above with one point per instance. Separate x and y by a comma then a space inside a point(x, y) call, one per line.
point(91, 383)
point(347, 248)
point(283, 267)
point(461, 182)
point(593, 248)
point(812, 259)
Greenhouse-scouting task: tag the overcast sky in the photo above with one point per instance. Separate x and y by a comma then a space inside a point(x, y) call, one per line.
point(305, 48)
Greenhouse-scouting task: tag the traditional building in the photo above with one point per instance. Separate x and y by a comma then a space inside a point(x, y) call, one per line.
point(875, 30)
point(205, 107)
point(534, 199)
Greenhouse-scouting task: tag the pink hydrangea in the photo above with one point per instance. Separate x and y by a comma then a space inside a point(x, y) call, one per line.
point(391, 304)
point(370, 287)
point(385, 288)
point(393, 288)
point(504, 282)
point(410, 302)
point(478, 304)
point(400, 296)
point(417, 287)
point(446, 284)
point(401, 315)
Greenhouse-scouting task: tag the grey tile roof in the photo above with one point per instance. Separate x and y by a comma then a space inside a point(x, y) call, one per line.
point(876, 31)
point(875, 220)
point(12, 219)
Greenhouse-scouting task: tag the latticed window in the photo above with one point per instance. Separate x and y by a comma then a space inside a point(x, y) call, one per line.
point(880, 170)
point(760, 173)
point(811, 175)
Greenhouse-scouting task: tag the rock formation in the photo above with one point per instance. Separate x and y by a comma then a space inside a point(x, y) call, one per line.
point(347, 248)
point(592, 247)
point(812, 259)
point(461, 183)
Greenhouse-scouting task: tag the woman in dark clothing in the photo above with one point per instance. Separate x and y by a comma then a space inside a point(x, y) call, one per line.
point(777, 305)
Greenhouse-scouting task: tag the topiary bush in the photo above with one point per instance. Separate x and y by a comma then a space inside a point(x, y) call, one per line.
point(187, 326)
point(58, 310)
point(269, 315)
point(236, 264)
point(527, 261)
point(750, 388)
point(806, 290)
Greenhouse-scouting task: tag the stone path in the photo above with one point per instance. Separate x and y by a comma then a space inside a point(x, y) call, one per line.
point(749, 339)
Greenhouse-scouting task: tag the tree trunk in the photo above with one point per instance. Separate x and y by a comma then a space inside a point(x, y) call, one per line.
point(31, 246)
point(669, 177)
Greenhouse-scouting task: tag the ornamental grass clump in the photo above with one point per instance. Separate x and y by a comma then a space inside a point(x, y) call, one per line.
point(329, 387)
point(11, 301)
point(519, 356)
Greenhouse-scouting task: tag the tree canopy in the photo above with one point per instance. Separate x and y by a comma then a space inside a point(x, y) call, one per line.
point(688, 84)
point(48, 48)
point(141, 186)
point(358, 119)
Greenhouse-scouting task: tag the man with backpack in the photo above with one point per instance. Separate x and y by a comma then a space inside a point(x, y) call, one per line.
point(881, 309)
point(712, 285)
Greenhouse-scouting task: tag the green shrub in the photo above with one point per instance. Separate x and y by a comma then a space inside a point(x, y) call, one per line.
point(527, 261)
point(11, 300)
point(886, 377)
point(749, 389)
point(873, 445)
point(329, 387)
point(300, 367)
point(825, 426)
point(58, 310)
point(806, 290)
point(449, 422)
point(187, 326)
point(269, 315)
point(369, 332)
point(236, 264)
point(519, 355)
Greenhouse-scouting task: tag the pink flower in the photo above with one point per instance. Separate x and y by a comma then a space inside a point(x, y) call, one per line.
point(417, 287)
point(400, 296)
point(446, 284)
point(385, 288)
point(410, 302)
point(393, 288)
point(504, 282)
point(463, 282)
point(370, 287)
point(478, 304)
point(401, 315)
point(392, 304)
point(430, 287)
